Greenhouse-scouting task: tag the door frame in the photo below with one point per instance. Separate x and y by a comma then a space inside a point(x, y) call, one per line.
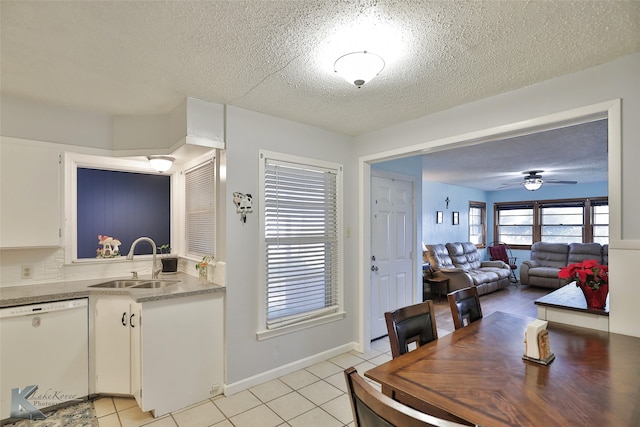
point(611, 110)
point(416, 227)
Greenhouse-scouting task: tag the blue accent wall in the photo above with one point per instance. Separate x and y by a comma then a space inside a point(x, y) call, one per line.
point(123, 205)
point(434, 195)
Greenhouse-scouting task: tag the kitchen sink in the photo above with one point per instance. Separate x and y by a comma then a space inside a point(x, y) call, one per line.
point(118, 284)
point(135, 283)
point(156, 284)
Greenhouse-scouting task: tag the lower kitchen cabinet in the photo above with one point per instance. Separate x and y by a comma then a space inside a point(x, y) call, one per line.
point(113, 320)
point(169, 355)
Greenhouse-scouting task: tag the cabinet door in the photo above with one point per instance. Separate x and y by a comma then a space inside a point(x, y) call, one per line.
point(30, 188)
point(135, 323)
point(113, 345)
point(182, 352)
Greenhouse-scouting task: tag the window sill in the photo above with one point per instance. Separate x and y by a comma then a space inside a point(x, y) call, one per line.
point(272, 333)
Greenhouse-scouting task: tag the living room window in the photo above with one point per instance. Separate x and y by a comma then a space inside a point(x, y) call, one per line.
point(600, 222)
point(514, 224)
point(562, 223)
point(301, 210)
point(520, 224)
point(477, 221)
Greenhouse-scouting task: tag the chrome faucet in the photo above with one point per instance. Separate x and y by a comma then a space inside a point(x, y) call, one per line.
point(154, 271)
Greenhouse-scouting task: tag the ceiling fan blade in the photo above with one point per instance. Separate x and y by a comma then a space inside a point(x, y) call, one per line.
point(510, 184)
point(556, 181)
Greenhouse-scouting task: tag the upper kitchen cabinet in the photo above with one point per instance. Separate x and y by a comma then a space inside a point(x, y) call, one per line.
point(30, 175)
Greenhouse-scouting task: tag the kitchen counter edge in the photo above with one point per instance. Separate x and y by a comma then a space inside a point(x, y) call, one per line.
point(71, 289)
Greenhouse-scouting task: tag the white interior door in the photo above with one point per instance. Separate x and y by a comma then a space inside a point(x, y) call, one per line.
point(391, 249)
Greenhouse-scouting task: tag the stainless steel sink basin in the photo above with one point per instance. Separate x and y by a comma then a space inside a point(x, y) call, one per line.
point(153, 284)
point(118, 284)
point(135, 283)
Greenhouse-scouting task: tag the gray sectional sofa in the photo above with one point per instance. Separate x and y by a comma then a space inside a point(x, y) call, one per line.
point(548, 258)
point(460, 263)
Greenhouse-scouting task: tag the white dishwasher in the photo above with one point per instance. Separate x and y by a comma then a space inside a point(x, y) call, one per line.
point(46, 345)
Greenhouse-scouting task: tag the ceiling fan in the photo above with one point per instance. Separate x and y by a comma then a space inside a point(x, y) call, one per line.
point(533, 181)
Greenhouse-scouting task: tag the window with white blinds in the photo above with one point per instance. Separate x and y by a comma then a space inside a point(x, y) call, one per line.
point(200, 209)
point(301, 223)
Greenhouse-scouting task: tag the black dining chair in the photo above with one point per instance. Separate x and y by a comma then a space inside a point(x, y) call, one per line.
point(411, 324)
point(373, 409)
point(465, 306)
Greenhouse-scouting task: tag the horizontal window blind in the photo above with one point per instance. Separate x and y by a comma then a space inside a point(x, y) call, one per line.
point(301, 239)
point(200, 196)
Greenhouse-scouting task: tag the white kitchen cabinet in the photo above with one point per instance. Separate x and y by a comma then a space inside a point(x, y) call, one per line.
point(167, 353)
point(182, 352)
point(112, 331)
point(30, 186)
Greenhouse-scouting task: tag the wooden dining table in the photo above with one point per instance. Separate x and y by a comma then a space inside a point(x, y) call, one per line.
point(477, 374)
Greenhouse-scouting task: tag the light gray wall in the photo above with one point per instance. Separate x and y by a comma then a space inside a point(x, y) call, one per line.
point(26, 119)
point(247, 133)
point(613, 80)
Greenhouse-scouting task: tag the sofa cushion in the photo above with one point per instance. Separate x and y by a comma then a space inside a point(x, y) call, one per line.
point(479, 277)
point(550, 254)
point(438, 257)
point(464, 255)
point(579, 252)
point(551, 272)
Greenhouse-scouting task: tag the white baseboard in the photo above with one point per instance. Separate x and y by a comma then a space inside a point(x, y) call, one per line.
point(264, 377)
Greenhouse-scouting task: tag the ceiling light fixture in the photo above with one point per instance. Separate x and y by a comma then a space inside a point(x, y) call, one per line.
point(161, 163)
point(359, 68)
point(532, 183)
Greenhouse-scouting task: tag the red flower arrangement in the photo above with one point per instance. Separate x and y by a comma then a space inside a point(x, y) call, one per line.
point(586, 273)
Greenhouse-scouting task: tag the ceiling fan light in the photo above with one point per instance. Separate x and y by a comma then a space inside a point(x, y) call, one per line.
point(532, 184)
point(161, 163)
point(359, 68)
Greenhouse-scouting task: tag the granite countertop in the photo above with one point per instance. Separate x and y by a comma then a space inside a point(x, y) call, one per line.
point(55, 291)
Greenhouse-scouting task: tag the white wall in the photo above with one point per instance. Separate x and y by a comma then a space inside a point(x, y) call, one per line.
point(614, 80)
point(250, 361)
point(26, 119)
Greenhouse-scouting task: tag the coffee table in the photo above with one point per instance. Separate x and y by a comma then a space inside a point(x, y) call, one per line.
point(567, 305)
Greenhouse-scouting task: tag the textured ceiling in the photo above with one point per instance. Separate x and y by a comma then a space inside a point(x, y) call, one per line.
point(276, 57)
point(573, 153)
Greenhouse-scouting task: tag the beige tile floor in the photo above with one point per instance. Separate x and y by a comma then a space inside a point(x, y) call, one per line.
point(311, 397)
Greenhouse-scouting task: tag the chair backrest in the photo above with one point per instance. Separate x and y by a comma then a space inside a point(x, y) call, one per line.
point(464, 255)
point(438, 257)
point(498, 252)
point(546, 254)
point(412, 324)
point(465, 306)
point(579, 252)
point(373, 409)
